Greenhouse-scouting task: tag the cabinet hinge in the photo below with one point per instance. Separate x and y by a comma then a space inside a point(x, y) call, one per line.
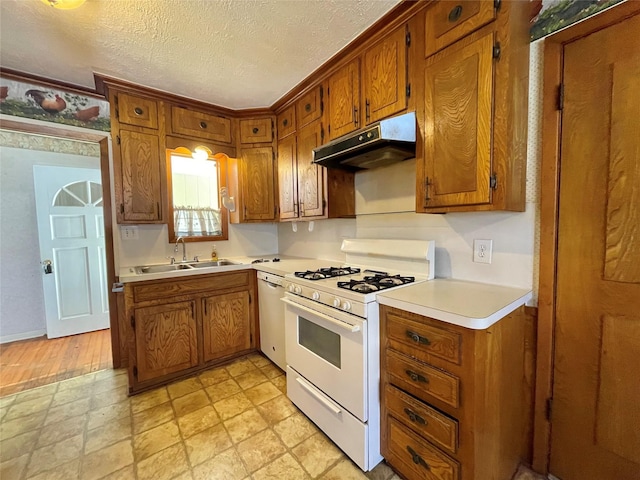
point(251, 338)
point(407, 37)
point(322, 134)
point(273, 128)
point(329, 129)
point(408, 90)
point(135, 371)
point(273, 155)
point(497, 4)
point(548, 409)
point(249, 299)
point(133, 322)
point(496, 51)
point(118, 139)
point(321, 100)
point(493, 181)
point(561, 96)
point(122, 208)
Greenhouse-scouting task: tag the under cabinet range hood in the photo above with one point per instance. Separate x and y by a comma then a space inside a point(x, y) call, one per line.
point(387, 141)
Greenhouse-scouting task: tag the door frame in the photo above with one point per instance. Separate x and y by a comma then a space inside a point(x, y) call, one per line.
point(549, 211)
point(103, 139)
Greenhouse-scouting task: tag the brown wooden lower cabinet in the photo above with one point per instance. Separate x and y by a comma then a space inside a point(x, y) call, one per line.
point(181, 325)
point(455, 404)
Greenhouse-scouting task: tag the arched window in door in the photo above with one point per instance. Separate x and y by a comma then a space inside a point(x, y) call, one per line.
point(79, 194)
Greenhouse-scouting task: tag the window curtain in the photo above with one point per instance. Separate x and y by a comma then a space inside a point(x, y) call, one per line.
point(196, 221)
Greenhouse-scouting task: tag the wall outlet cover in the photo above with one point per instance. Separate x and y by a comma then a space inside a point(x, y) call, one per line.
point(129, 232)
point(482, 250)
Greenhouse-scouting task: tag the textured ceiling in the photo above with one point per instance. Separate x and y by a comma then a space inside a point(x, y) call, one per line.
point(232, 53)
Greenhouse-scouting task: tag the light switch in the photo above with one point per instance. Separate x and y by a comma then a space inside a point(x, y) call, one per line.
point(129, 232)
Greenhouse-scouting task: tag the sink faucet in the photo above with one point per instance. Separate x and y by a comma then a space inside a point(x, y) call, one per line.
point(184, 248)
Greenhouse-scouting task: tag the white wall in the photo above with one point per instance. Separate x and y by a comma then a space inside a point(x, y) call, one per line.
point(21, 295)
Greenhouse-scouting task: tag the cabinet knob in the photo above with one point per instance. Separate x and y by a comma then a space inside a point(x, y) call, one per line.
point(307, 107)
point(255, 130)
point(203, 125)
point(455, 13)
point(285, 122)
point(138, 111)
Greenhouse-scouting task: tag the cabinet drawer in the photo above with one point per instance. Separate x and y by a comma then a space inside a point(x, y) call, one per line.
point(309, 107)
point(287, 122)
point(200, 125)
point(423, 419)
point(420, 459)
point(422, 380)
point(139, 111)
point(152, 291)
point(421, 340)
point(257, 130)
point(448, 21)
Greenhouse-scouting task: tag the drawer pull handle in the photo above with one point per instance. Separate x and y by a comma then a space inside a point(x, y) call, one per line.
point(255, 130)
point(138, 111)
point(416, 377)
point(414, 417)
point(455, 13)
point(417, 459)
point(418, 338)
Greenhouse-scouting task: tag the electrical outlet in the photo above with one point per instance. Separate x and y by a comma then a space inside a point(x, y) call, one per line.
point(482, 251)
point(129, 232)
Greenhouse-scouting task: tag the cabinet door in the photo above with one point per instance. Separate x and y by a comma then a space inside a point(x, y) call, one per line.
point(256, 130)
point(447, 21)
point(458, 124)
point(309, 107)
point(287, 178)
point(311, 177)
point(258, 171)
point(139, 178)
point(287, 122)
point(134, 110)
point(166, 339)
point(200, 125)
point(226, 324)
point(344, 100)
point(385, 77)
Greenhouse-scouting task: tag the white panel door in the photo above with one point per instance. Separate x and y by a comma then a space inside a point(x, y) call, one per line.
point(71, 234)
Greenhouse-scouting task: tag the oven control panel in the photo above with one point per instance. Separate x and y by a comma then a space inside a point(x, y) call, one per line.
point(330, 299)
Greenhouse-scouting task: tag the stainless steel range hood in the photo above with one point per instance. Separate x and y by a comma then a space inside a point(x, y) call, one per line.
point(387, 141)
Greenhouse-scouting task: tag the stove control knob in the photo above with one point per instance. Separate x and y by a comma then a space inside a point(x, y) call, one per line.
point(346, 306)
point(337, 302)
point(297, 290)
point(292, 289)
point(315, 296)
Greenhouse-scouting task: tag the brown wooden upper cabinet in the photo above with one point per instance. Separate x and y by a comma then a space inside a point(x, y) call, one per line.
point(448, 21)
point(459, 103)
point(138, 176)
point(286, 122)
point(287, 178)
point(200, 125)
point(135, 110)
point(253, 180)
point(475, 109)
point(310, 106)
point(344, 100)
point(256, 130)
point(384, 74)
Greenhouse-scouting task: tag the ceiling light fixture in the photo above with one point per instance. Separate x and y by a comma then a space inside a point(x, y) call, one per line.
point(64, 4)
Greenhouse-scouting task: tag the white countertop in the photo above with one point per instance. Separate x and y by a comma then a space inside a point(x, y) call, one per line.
point(284, 266)
point(467, 304)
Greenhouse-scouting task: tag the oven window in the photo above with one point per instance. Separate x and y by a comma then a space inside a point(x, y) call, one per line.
point(319, 340)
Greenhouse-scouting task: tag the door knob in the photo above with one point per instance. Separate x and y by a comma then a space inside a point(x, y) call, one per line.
point(47, 266)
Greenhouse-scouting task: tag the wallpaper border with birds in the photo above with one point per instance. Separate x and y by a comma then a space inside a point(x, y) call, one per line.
point(38, 102)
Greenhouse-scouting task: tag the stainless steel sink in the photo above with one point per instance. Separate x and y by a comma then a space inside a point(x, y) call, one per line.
point(181, 266)
point(212, 263)
point(162, 268)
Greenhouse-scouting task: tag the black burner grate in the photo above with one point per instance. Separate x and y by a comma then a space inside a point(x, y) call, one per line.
point(328, 272)
point(375, 283)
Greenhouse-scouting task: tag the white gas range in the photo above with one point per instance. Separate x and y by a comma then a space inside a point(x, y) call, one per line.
point(332, 338)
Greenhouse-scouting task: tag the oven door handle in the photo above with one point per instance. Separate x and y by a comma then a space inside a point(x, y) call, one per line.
point(338, 323)
point(318, 396)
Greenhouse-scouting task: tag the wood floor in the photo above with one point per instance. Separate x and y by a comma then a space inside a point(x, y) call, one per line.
point(39, 361)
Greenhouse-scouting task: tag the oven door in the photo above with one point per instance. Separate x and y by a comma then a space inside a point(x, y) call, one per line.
point(328, 347)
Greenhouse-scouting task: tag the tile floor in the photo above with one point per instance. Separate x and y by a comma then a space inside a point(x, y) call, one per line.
point(228, 423)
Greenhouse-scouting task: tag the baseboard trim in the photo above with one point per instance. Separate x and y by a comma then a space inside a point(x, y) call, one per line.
point(22, 336)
